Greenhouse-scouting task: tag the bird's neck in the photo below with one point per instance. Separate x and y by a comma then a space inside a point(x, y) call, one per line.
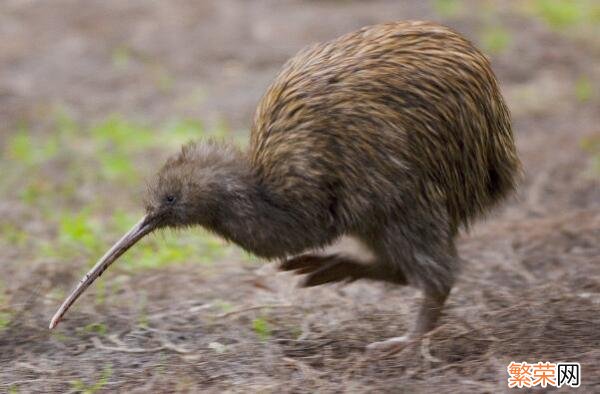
point(248, 218)
point(261, 222)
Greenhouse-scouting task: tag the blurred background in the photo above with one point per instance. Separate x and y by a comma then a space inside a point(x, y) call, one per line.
point(95, 94)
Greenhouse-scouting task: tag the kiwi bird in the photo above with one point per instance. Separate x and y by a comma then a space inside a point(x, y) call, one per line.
point(395, 134)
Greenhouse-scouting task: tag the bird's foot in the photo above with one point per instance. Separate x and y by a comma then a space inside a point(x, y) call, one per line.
point(323, 269)
point(391, 346)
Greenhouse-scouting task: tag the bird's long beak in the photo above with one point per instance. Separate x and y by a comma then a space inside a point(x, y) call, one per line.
point(143, 227)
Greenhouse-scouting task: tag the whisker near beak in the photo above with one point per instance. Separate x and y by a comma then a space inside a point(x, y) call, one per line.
point(137, 232)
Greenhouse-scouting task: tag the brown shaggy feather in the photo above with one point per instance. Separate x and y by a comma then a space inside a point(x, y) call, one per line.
point(396, 134)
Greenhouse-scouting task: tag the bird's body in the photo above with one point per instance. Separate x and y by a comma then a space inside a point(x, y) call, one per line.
point(396, 134)
point(398, 122)
point(379, 113)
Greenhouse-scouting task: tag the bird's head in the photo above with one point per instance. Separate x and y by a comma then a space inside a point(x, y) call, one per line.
point(191, 186)
point(190, 189)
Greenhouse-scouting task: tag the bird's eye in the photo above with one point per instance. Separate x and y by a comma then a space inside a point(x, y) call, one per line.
point(170, 199)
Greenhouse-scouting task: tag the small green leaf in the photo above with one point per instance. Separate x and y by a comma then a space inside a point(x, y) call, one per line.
point(495, 39)
point(21, 148)
point(5, 319)
point(448, 8)
point(583, 89)
point(121, 57)
point(560, 13)
point(79, 386)
point(262, 328)
point(97, 328)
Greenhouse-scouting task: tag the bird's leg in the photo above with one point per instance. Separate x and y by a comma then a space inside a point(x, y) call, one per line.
point(428, 258)
point(321, 269)
point(429, 313)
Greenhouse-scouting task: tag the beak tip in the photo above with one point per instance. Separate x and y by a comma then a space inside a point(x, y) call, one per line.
point(53, 323)
point(130, 238)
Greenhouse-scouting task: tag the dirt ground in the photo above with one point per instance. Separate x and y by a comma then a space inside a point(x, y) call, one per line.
point(529, 290)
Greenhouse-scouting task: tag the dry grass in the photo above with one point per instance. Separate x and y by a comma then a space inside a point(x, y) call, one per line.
point(188, 313)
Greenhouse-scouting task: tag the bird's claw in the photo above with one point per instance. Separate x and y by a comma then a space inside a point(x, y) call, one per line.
point(390, 346)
